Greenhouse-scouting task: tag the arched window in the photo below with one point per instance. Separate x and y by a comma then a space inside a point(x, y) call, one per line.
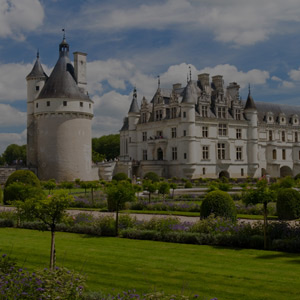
point(160, 154)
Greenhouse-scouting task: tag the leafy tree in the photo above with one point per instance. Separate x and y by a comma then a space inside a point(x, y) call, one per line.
point(93, 185)
point(288, 204)
point(149, 186)
point(117, 194)
point(84, 185)
point(15, 153)
point(137, 189)
point(50, 185)
point(2, 160)
point(50, 211)
point(120, 176)
point(262, 194)
point(67, 185)
point(163, 189)
point(97, 157)
point(107, 146)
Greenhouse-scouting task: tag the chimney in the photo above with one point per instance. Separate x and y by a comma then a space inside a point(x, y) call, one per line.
point(204, 80)
point(80, 69)
point(218, 83)
point(176, 86)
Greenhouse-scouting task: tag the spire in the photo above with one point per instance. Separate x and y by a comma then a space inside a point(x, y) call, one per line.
point(37, 70)
point(64, 46)
point(250, 104)
point(190, 72)
point(158, 82)
point(134, 108)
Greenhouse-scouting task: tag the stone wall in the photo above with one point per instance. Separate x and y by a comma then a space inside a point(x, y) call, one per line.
point(5, 172)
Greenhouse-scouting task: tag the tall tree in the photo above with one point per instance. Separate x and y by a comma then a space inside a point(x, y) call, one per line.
point(107, 146)
point(15, 154)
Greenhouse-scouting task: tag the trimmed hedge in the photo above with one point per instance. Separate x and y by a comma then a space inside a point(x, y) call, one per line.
point(152, 176)
point(220, 204)
point(288, 204)
point(120, 177)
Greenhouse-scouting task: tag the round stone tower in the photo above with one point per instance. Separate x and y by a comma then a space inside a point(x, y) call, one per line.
point(63, 114)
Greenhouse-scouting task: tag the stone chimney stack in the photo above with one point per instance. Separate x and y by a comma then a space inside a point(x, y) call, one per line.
point(80, 70)
point(204, 80)
point(218, 83)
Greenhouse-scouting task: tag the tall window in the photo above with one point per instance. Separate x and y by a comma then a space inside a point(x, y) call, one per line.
point(283, 136)
point(238, 153)
point(238, 133)
point(144, 117)
point(48, 103)
point(158, 115)
point(173, 132)
point(237, 114)
point(159, 134)
point(270, 135)
point(145, 157)
point(144, 136)
point(204, 111)
point(283, 154)
point(274, 154)
point(64, 103)
point(296, 137)
point(242, 172)
point(205, 131)
point(222, 129)
point(173, 112)
point(205, 153)
point(221, 151)
point(184, 132)
point(221, 112)
point(203, 171)
point(184, 155)
point(174, 153)
point(184, 114)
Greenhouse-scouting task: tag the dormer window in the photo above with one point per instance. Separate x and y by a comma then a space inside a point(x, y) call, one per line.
point(294, 120)
point(221, 112)
point(237, 114)
point(270, 118)
point(282, 118)
point(204, 111)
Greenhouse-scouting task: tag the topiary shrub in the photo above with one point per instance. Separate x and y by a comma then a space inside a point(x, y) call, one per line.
point(287, 182)
point(218, 203)
point(152, 176)
point(120, 177)
point(21, 184)
point(288, 204)
point(188, 185)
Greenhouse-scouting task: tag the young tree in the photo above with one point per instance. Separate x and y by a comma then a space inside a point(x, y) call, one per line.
point(149, 186)
point(50, 211)
point(117, 194)
point(50, 185)
point(173, 186)
point(164, 189)
point(67, 185)
point(93, 185)
point(262, 194)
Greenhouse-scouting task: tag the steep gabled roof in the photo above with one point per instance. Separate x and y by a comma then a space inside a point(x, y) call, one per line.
point(37, 70)
point(134, 107)
point(250, 102)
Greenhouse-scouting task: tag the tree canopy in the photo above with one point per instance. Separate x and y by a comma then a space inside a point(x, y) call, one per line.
point(14, 154)
point(107, 147)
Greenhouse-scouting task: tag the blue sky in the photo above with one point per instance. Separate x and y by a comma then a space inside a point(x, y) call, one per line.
point(131, 42)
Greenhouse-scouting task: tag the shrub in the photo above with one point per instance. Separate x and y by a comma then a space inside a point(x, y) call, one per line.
point(288, 204)
point(106, 224)
point(287, 182)
point(1, 196)
point(218, 203)
point(23, 179)
point(152, 176)
point(188, 185)
point(120, 177)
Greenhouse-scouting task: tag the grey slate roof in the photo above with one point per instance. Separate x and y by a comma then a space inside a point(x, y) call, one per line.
point(191, 93)
point(37, 70)
point(125, 124)
point(134, 107)
point(250, 102)
point(62, 81)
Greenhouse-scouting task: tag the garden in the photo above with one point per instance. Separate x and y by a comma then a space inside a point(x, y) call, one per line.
point(218, 205)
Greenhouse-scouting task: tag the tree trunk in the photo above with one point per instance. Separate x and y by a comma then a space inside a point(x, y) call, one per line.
point(265, 225)
point(92, 190)
point(149, 197)
point(52, 252)
point(117, 221)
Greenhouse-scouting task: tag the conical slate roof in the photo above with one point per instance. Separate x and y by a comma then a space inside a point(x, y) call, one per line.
point(134, 107)
point(37, 70)
point(250, 102)
point(190, 94)
point(62, 81)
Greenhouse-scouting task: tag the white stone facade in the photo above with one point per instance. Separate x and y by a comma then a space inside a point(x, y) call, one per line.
point(206, 130)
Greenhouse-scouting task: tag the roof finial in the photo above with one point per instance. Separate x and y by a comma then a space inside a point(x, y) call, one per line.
point(187, 77)
point(38, 53)
point(134, 92)
point(190, 73)
point(64, 35)
point(158, 81)
point(249, 89)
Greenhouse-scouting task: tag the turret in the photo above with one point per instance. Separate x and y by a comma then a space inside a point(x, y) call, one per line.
point(250, 111)
point(35, 82)
point(134, 112)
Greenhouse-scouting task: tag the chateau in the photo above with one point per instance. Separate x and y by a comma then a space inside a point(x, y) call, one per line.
point(206, 130)
point(59, 116)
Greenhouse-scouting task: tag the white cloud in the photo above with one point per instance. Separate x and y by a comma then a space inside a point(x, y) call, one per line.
point(9, 116)
point(241, 22)
point(288, 84)
point(12, 138)
point(18, 17)
point(295, 74)
point(275, 78)
point(13, 80)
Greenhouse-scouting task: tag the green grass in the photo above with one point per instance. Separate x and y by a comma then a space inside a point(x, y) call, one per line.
point(121, 264)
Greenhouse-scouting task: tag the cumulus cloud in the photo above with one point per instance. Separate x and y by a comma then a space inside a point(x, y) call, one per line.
point(9, 116)
point(295, 74)
point(18, 17)
point(13, 80)
point(240, 22)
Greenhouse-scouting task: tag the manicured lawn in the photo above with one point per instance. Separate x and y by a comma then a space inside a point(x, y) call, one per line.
point(121, 264)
